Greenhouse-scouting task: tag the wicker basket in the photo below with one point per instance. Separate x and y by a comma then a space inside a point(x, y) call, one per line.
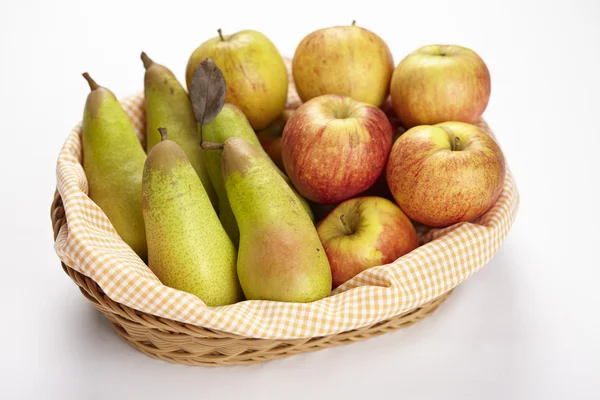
point(193, 345)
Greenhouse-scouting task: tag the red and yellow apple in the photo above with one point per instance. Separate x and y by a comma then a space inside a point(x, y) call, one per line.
point(446, 173)
point(344, 60)
point(365, 232)
point(439, 83)
point(334, 147)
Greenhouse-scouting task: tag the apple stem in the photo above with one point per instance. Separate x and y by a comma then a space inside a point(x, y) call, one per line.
point(221, 35)
point(163, 134)
point(343, 219)
point(456, 143)
point(211, 146)
point(353, 22)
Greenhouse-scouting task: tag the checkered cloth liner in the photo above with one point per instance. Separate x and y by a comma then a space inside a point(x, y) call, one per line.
point(89, 244)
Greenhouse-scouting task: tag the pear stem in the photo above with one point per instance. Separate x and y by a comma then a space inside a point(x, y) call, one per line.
point(146, 60)
point(91, 82)
point(353, 22)
point(163, 134)
point(456, 144)
point(211, 146)
point(221, 35)
point(343, 219)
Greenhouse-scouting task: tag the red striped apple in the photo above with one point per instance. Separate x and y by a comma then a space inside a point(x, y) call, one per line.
point(439, 83)
point(365, 232)
point(446, 173)
point(334, 147)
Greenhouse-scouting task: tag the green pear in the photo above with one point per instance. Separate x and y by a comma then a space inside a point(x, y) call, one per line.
point(188, 249)
point(113, 161)
point(167, 104)
point(231, 122)
point(280, 256)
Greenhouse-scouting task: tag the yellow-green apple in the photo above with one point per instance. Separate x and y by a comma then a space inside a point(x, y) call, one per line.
point(445, 173)
point(345, 60)
point(439, 83)
point(254, 71)
point(334, 147)
point(365, 232)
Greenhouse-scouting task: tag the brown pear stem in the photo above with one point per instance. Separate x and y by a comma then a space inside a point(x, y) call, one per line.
point(91, 82)
point(211, 146)
point(456, 144)
point(163, 134)
point(353, 22)
point(343, 219)
point(221, 35)
point(201, 138)
point(146, 60)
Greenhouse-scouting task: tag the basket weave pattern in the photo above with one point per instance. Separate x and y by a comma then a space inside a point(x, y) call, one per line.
point(175, 342)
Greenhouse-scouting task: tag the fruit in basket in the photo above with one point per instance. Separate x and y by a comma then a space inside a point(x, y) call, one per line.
point(231, 122)
point(167, 104)
point(113, 161)
point(256, 76)
point(439, 83)
point(272, 146)
point(365, 232)
point(188, 249)
point(275, 129)
point(344, 60)
point(446, 173)
point(270, 137)
point(280, 256)
point(335, 147)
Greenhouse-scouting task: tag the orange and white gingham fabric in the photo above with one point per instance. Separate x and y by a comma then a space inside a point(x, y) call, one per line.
point(89, 244)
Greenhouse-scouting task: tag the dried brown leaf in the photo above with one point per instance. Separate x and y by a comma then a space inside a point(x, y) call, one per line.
point(207, 92)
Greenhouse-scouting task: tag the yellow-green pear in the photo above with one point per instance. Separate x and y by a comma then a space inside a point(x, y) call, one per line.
point(280, 256)
point(231, 122)
point(256, 76)
point(167, 104)
point(113, 161)
point(188, 249)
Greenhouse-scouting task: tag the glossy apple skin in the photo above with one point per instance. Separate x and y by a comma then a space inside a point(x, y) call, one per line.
point(254, 71)
point(438, 181)
point(334, 147)
point(380, 234)
point(440, 83)
point(344, 60)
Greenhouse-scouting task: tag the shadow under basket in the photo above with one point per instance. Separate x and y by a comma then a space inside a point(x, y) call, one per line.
point(180, 343)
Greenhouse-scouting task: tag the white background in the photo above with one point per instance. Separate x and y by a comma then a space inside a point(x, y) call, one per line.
point(524, 327)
